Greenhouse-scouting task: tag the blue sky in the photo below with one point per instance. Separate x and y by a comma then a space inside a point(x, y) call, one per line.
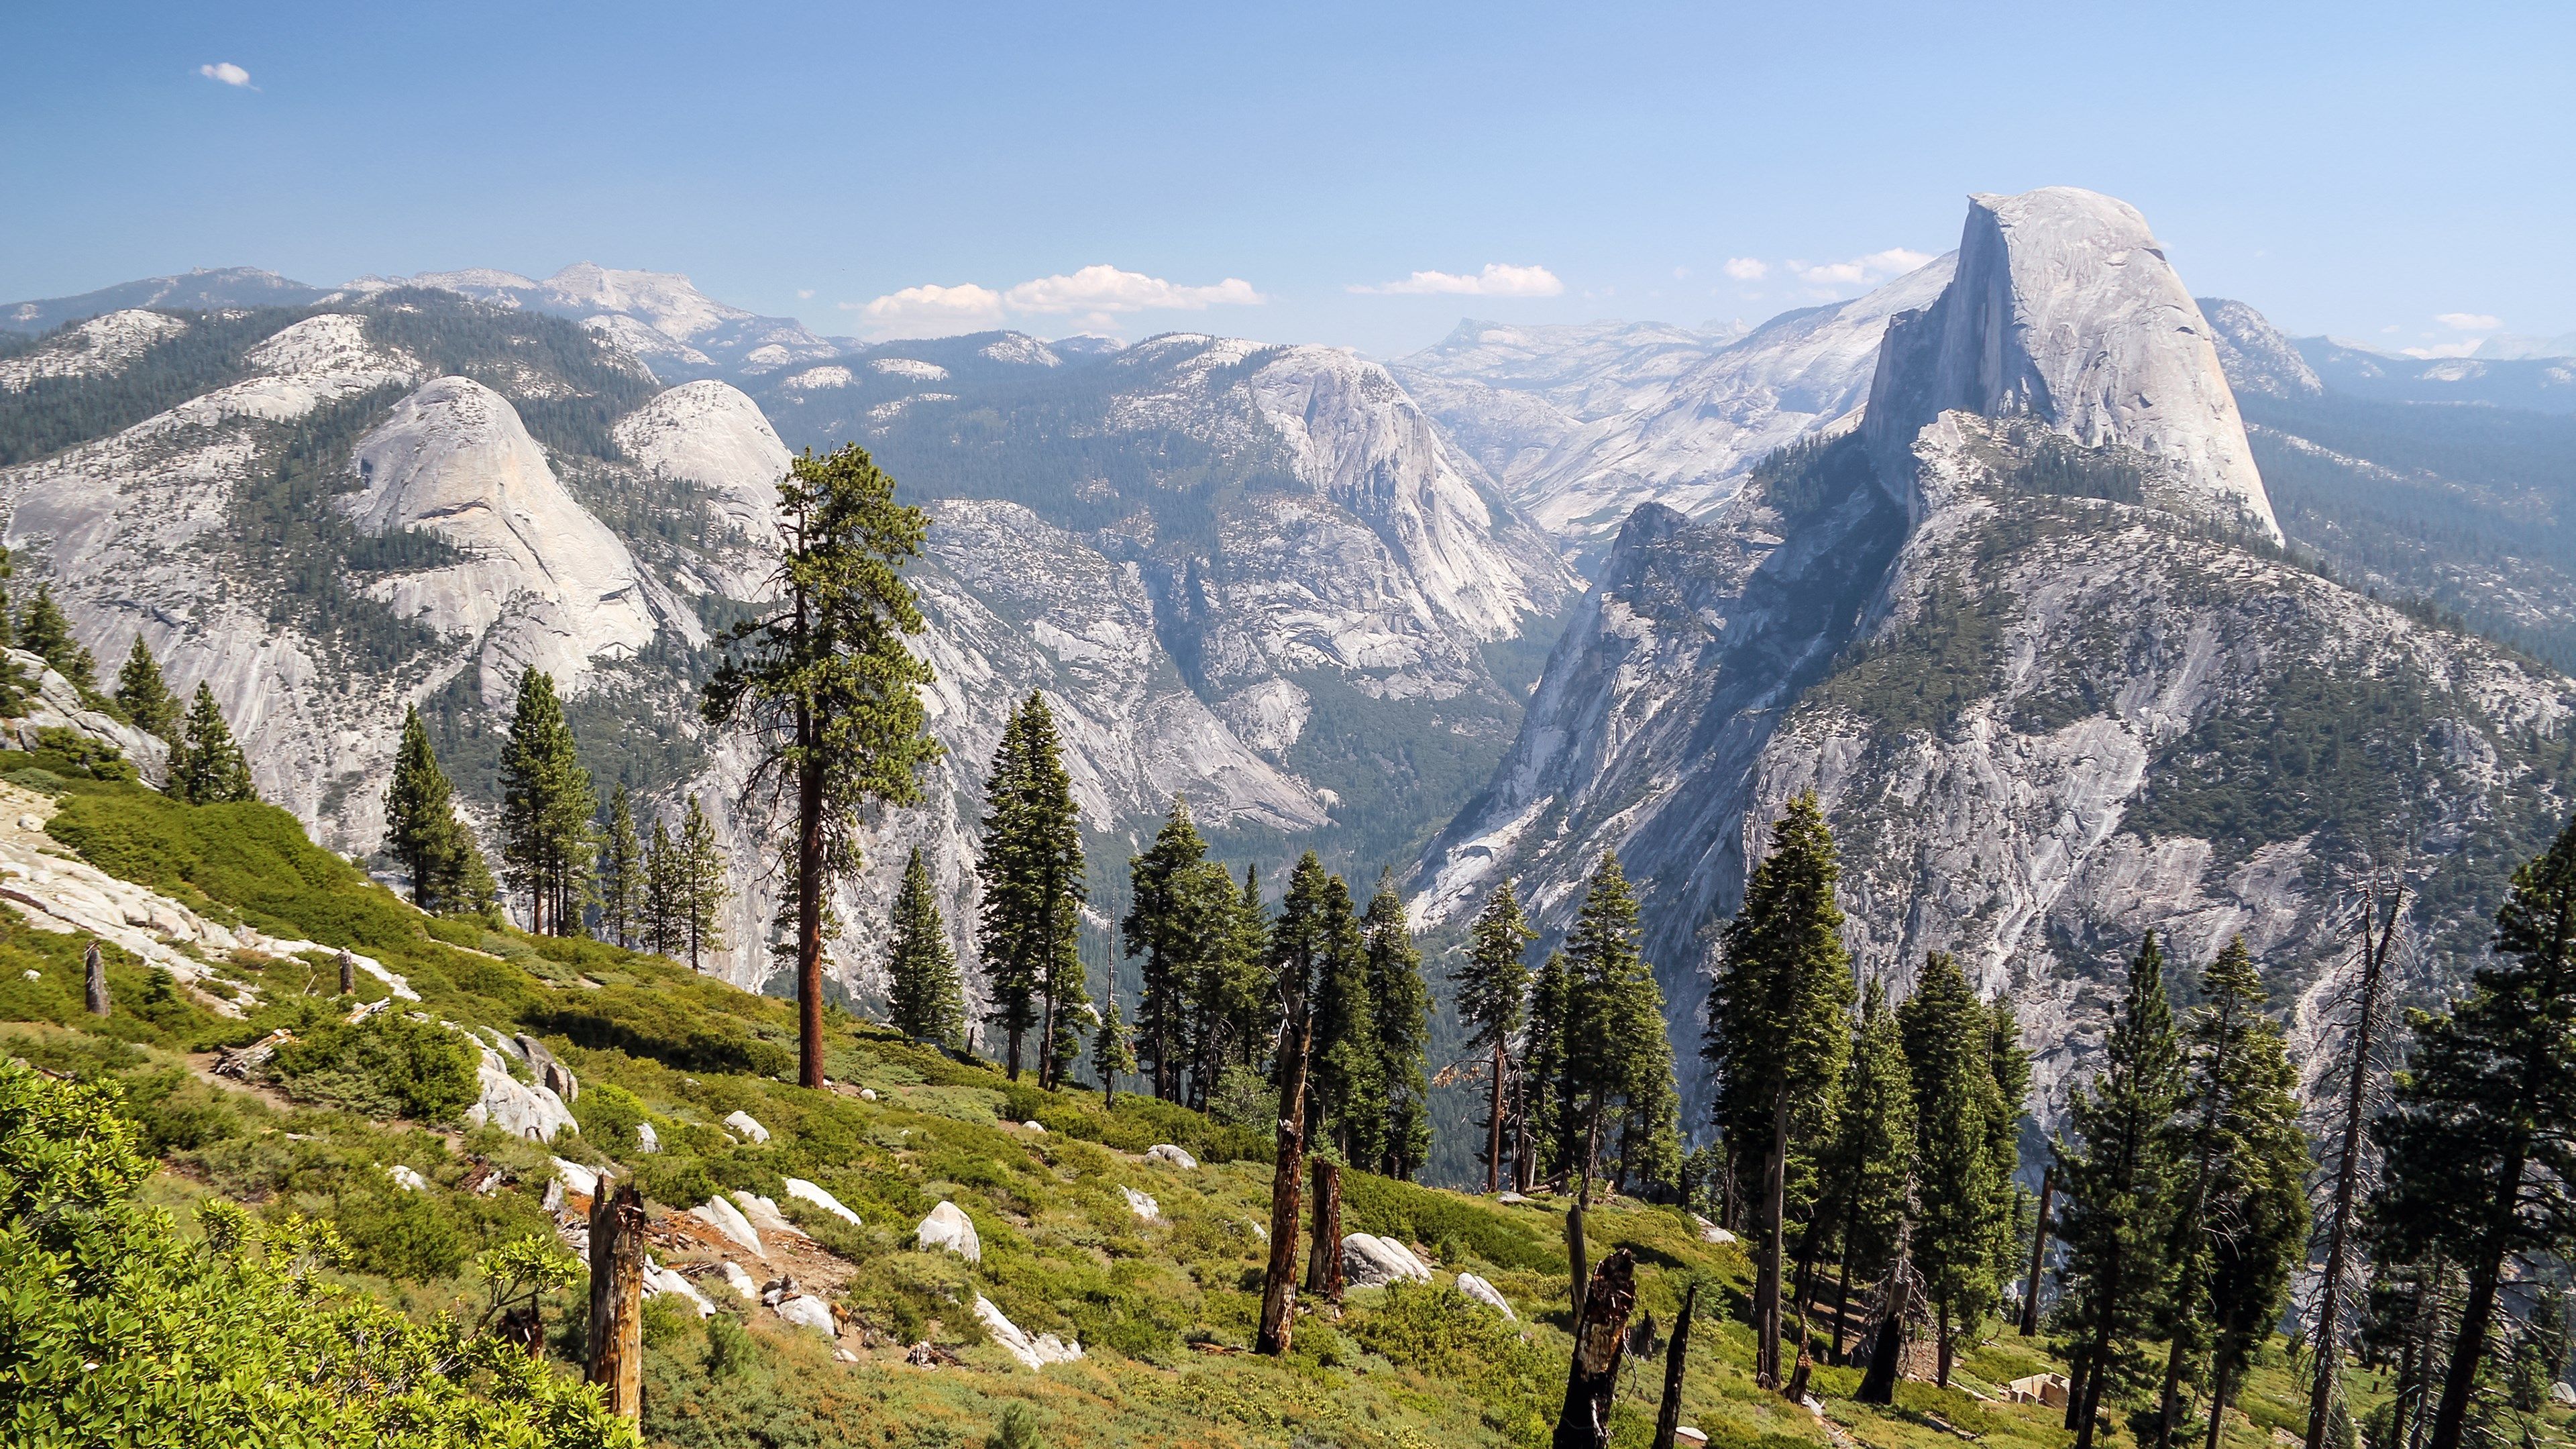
point(2358, 169)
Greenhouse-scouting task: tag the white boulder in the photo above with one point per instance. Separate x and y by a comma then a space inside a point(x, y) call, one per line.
point(659, 1280)
point(804, 1191)
point(806, 1311)
point(948, 1228)
point(1369, 1261)
point(1142, 1204)
point(763, 1214)
point(646, 1139)
point(1485, 1293)
point(1165, 1152)
point(583, 1180)
point(1037, 1127)
point(1710, 1232)
point(522, 1110)
point(407, 1178)
point(727, 1219)
point(748, 1125)
point(740, 1281)
point(1036, 1352)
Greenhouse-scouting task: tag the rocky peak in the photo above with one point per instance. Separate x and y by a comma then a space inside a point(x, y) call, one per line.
point(2065, 309)
point(2257, 356)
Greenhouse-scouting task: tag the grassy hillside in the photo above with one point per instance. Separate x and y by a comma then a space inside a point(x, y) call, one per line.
point(1164, 1308)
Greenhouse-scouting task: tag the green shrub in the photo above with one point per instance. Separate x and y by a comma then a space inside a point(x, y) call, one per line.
point(42, 781)
point(411, 1237)
point(72, 753)
point(1440, 1334)
point(609, 1115)
point(385, 1066)
point(729, 1347)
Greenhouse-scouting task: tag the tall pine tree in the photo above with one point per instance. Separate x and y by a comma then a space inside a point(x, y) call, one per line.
point(621, 872)
point(1346, 1080)
point(1163, 927)
point(826, 688)
point(1492, 980)
point(145, 696)
point(706, 885)
point(1871, 1164)
point(420, 813)
point(1620, 1053)
point(1778, 1031)
point(666, 891)
point(2115, 1186)
point(1112, 1050)
point(1963, 1183)
point(1030, 934)
point(45, 632)
point(1400, 1006)
point(1550, 1137)
point(206, 766)
point(547, 804)
point(921, 966)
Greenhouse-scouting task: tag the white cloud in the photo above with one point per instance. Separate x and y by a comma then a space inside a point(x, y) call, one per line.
point(2442, 349)
point(805, 294)
point(1498, 279)
point(1747, 269)
point(227, 72)
point(1860, 271)
point(2469, 321)
point(1097, 293)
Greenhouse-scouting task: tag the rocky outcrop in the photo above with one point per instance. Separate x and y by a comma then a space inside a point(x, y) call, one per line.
point(55, 704)
point(709, 434)
point(947, 1228)
point(1369, 1261)
point(101, 346)
point(657, 316)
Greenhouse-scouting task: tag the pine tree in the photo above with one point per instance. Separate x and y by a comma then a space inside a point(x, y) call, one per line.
point(2480, 1135)
point(1549, 1142)
point(1777, 1031)
point(1871, 1164)
point(1619, 1051)
point(1112, 1050)
point(547, 804)
point(1400, 1007)
point(45, 632)
point(420, 813)
point(923, 996)
point(785, 944)
point(704, 883)
point(665, 893)
point(145, 696)
point(1163, 927)
point(1491, 983)
point(1030, 935)
point(1964, 1184)
point(2115, 1185)
point(620, 877)
point(1234, 1005)
point(1346, 1082)
point(826, 688)
point(206, 767)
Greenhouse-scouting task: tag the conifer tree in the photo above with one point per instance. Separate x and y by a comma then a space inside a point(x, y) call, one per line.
point(1872, 1160)
point(1492, 982)
point(1964, 1184)
point(145, 696)
point(547, 805)
point(1346, 1082)
point(1548, 1143)
point(784, 945)
point(420, 813)
point(1234, 1005)
point(2480, 1135)
point(45, 632)
point(2115, 1183)
point(665, 893)
point(1164, 926)
point(1778, 1031)
point(827, 688)
point(1033, 893)
point(1400, 1008)
point(206, 767)
point(923, 996)
point(620, 873)
point(1112, 1051)
point(705, 887)
point(1619, 1050)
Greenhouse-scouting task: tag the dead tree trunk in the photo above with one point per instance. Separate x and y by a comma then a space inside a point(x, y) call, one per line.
point(2039, 1257)
point(96, 967)
point(1668, 1418)
point(2374, 964)
point(1895, 1304)
point(617, 1297)
point(1278, 1284)
point(1324, 1259)
point(1593, 1379)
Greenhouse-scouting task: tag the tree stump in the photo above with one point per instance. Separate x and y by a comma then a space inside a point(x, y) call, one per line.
point(1279, 1282)
point(348, 974)
point(1324, 1259)
point(1593, 1379)
point(1668, 1417)
point(96, 966)
point(617, 1297)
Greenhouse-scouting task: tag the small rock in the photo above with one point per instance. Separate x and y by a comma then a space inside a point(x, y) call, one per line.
point(583, 1180)
point(2562, 1394)
point(747, 1125)
point(764, 1216)
point(1511, 1199)
point(948, 1228)
point(1037, 1352)
point(1485, 1293)
point(659, 1280)
point(843, 1355)
point(867, 1094)
point(1165, 1152)
point(804, 1191)
point(1037, 1127)
point(1686, 1434)
point(31, 822)
point(33, 975)
point(406, 1179)
point(922, 1355)
point(1142, 1204)
point(809, 1312)
point(1369, 1261)
point(1710, 1232)
point(646, 1139)
point(740, 1281)
point(727, 1219)
point(554, 1199)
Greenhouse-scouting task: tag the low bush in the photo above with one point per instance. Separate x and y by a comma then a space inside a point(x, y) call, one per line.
point(385, 1066)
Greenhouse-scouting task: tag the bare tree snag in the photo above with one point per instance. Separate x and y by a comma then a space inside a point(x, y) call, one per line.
point(1668, 1418)
point(1278, 1284)
point(2378, 934)
point(617, 1297)
point(1324, 1259)
point(96, 967)
point(1593, 1379)
point(2039, 1256)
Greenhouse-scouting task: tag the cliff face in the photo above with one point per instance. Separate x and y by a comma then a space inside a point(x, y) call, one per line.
point(2026, 634)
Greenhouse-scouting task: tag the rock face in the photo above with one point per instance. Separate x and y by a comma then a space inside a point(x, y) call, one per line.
point(657, 316)
point(1369, 1261)
point(55, 704)
point(99, 346)
point(2044, 706)
point(712, 435)
point(1580, 425)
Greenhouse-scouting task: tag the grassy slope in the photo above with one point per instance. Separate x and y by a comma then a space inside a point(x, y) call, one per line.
point(1162, 1308)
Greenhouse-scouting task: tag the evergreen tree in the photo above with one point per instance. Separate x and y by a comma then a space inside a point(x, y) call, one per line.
point(1964, 1184)
point(1620, 1053)
point(1164, 927)
point(145, 696)
point(1112, 1051)
point(921, 967)
point(1549, 1136)
point(1033, 893)
point(2009, 1063)
point(705, 888)
point(827, 689)
point(1345, 1081)
point(2115, 1189)
point(1872, 1160)
point(420, 813)
point(44, 632)
point(2480, 1135)
point(1777, 1031)
point(1491, 983)
point(785, 944)
point(1234, 1006)
point(206, 767)
point(621, 872)
point(547, 804)
point(1400, 1007)
point(666, 929)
